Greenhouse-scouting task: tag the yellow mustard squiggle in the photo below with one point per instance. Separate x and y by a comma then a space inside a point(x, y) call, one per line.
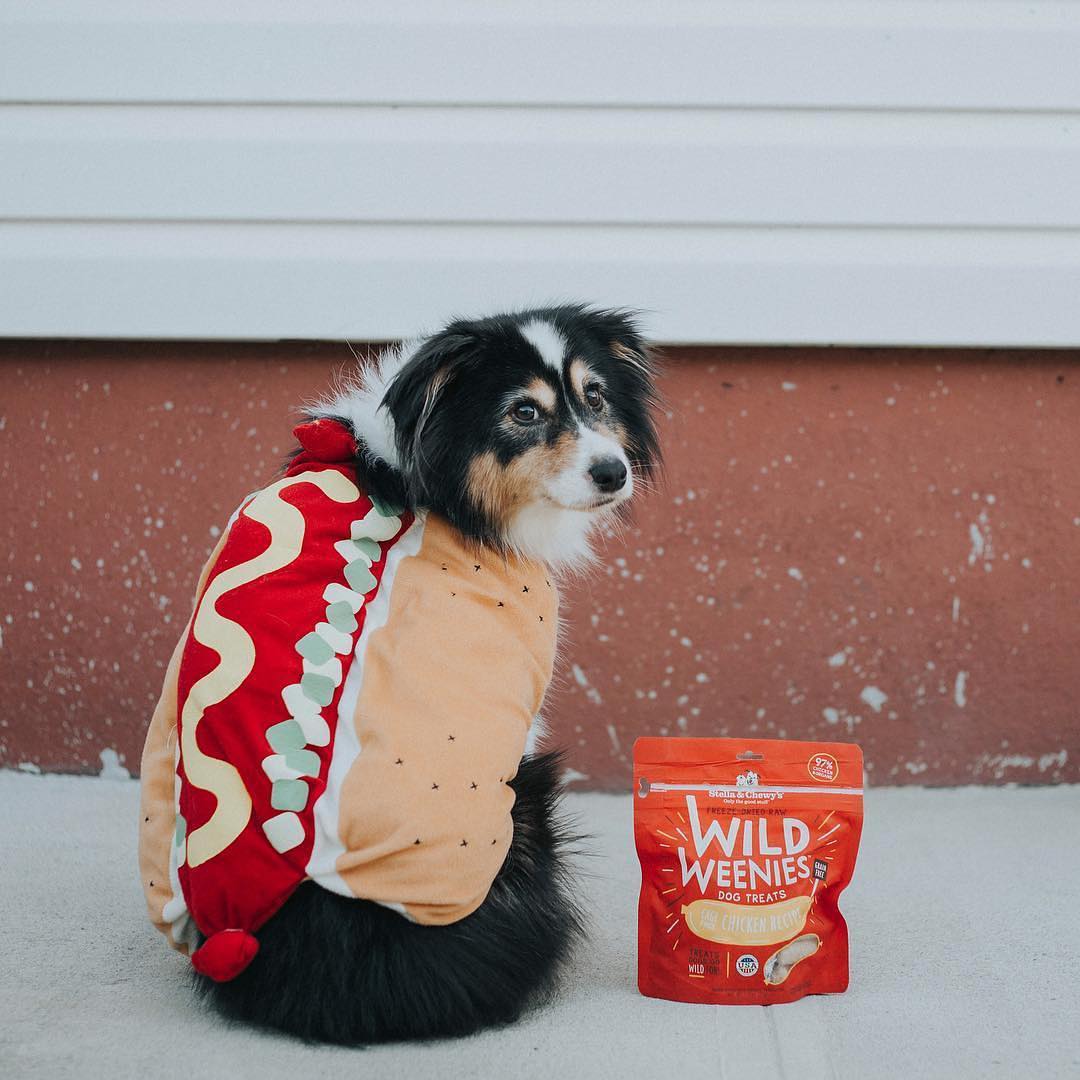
point(236, 650)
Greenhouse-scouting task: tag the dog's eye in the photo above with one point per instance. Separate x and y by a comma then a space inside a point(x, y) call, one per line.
point(525, 412)
point(594, 397)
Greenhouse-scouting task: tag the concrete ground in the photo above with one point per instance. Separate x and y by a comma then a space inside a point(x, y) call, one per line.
point(964, 916)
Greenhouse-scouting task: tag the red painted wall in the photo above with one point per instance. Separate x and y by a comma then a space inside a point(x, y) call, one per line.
point(880, 545)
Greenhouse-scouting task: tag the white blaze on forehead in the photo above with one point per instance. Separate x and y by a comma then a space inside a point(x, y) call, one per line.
point(547, 341)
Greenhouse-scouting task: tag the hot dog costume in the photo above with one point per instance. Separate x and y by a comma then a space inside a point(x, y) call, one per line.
point(347, 704)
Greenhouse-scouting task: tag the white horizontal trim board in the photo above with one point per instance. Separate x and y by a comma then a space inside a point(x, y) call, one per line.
point(515, 165)
point(825, 53)
point(794, 286)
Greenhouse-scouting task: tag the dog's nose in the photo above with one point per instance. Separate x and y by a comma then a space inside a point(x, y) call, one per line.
point(608, 474)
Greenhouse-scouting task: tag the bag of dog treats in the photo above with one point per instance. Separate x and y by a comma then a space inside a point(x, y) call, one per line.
point(745, 846)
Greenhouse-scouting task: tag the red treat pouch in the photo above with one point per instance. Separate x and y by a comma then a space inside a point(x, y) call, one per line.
point(745, 846)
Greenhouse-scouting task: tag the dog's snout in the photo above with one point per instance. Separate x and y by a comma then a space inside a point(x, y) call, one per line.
point(608, 474)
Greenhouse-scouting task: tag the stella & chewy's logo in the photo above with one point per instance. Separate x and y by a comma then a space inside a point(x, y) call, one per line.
point(823, 767)
point(745, 789)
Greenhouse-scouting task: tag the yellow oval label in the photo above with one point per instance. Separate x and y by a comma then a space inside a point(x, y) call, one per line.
point(746, 924)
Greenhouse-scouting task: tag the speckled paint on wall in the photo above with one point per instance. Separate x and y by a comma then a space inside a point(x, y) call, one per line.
point(876, 545)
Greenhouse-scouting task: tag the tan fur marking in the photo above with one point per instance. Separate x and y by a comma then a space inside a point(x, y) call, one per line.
point(500, 490)
point(580, 373)
point(542, 393)
point(614, 431)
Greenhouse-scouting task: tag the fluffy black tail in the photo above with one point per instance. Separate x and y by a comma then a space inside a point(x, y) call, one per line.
point(340, 970)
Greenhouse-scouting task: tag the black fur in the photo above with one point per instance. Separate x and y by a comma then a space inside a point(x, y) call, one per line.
point(341, 970)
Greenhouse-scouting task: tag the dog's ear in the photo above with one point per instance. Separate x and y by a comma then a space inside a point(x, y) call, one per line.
point(637, 355)
point(416, 390)
point(627, 344)
point(616, 329)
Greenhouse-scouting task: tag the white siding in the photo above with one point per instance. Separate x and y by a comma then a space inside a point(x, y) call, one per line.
point(866, 172)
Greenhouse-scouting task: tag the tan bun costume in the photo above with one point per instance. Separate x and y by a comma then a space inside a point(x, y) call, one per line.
point(347, 705)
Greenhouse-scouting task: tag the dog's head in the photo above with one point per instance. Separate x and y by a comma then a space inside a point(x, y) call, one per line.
point(525, 430)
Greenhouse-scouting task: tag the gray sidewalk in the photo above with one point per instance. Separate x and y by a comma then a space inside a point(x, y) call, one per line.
point(964, 917)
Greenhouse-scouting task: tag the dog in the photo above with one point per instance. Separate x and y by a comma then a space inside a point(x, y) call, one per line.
point(522, 434)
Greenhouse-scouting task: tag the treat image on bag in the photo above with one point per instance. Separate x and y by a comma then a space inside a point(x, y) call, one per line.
point(745, 846)
point(778, 966)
